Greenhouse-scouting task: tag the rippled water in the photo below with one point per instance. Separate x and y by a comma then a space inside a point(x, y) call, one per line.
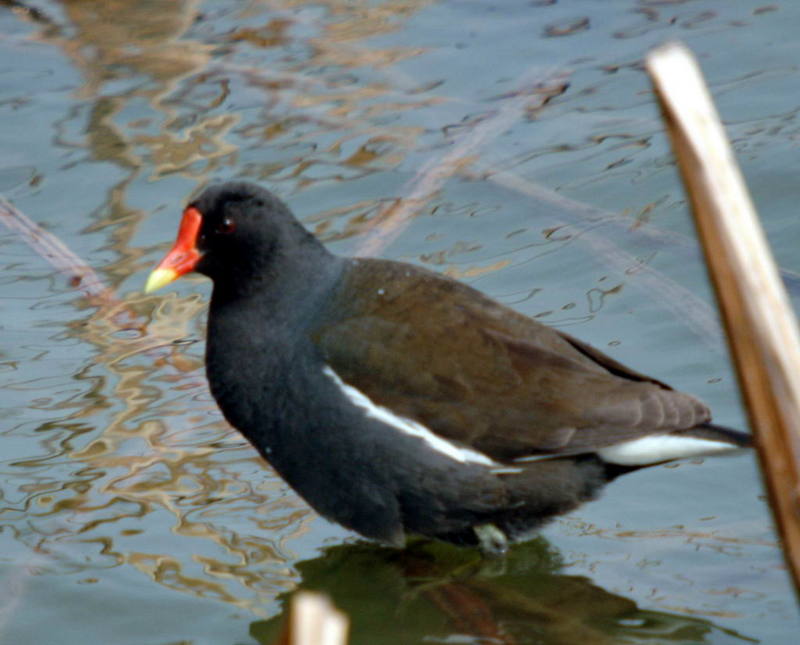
point(524, 137)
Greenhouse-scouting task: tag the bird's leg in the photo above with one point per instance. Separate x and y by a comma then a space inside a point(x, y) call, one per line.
point(491, 540)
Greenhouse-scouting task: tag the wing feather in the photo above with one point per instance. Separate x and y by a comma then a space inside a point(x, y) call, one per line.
point(491, 378)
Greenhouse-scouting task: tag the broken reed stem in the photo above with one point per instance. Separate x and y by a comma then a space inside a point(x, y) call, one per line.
point(760, 324)
point(313, 620)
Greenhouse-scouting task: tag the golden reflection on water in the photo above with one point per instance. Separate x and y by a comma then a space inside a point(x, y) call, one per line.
point(166, 448)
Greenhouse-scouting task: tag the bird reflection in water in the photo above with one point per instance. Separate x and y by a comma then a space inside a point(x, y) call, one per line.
point(433, 592)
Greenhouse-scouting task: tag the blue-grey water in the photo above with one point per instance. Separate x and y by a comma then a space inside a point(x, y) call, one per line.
point(528, 134)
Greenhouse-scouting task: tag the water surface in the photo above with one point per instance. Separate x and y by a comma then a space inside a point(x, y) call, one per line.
point(131, 513)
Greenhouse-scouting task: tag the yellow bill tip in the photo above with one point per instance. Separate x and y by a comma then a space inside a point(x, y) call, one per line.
point(160, 278)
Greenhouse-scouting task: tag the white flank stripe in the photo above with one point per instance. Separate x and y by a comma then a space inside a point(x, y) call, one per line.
point(408, 426)
point(651, 450)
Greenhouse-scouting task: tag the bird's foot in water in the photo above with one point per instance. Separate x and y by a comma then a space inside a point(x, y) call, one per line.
point(491, 540)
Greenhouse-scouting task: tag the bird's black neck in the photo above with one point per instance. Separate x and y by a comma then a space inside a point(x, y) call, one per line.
point(255, 334)
point(289, 270)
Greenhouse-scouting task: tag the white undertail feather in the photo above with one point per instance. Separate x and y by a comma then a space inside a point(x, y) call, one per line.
point(655, 449)
point(408, 426)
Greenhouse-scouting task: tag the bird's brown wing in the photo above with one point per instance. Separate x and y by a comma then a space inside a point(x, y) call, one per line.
point(439, 352)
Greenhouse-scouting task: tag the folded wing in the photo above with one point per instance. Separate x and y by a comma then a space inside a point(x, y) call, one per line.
point(493, 379)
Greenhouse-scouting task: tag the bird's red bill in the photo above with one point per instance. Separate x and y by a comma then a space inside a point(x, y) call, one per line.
point(183, 257)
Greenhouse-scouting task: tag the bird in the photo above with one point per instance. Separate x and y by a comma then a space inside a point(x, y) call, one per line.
point(399, 402)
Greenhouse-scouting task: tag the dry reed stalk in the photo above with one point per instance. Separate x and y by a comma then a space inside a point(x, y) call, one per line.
point(313, 620)
point(761, 326)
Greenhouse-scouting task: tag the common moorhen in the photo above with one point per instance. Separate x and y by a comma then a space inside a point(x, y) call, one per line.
point(397, 401)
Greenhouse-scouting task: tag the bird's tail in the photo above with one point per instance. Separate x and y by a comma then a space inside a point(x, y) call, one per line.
point(721, 434)
point(703, 440)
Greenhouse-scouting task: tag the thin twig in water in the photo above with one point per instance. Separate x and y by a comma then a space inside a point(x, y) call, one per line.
point(81, 277)
point(393, 220)
point(79, 274)
point(685, 305)
point(578, 211)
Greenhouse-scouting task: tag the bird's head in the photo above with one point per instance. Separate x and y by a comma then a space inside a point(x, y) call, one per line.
point(235, 233)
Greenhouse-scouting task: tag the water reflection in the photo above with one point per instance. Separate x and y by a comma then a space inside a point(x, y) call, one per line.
point(434, 593)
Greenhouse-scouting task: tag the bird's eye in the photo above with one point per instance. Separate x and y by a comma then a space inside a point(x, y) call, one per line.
point(227, 225)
